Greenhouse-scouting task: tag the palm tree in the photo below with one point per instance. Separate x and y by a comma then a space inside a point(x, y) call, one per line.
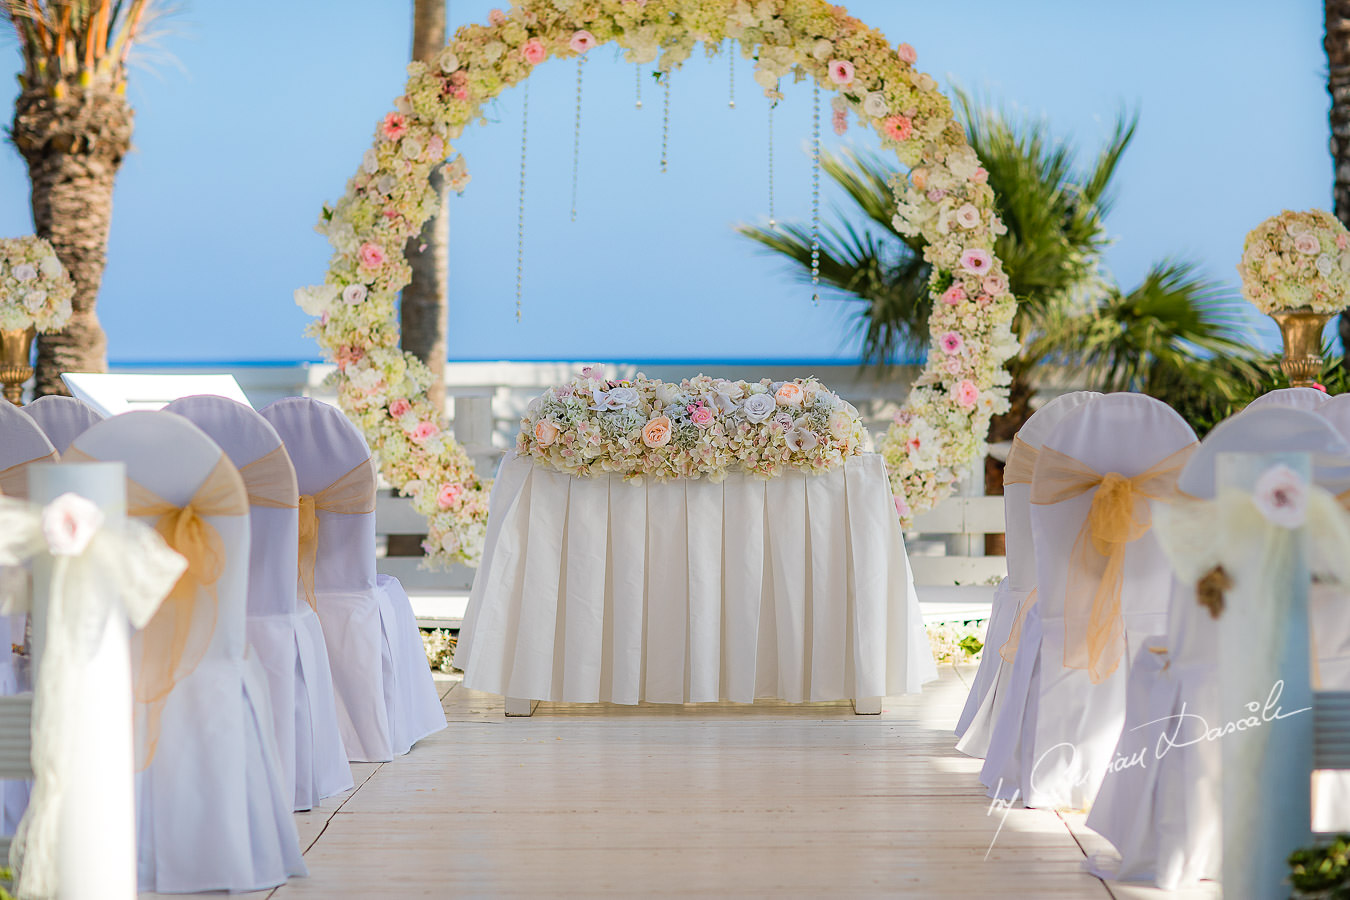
point(423, 312)
point(1068, 311)
point(1337, 45)
point(72, 125)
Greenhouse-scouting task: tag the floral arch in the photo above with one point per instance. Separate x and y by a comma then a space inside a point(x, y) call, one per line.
point(944, 198)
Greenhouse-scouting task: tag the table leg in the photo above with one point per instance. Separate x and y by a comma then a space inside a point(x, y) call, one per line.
point(525, 708)
point(867, 706)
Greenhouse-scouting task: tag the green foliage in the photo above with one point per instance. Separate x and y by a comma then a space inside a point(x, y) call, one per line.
point(1323, 871)
point(971, 644)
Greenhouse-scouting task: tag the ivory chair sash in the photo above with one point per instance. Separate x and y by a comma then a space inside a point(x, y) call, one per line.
point(22, 444)
point(386, 698)
point(212, 810)
point(284, 632)
point(62, 419)
point(1102, 581)
point(1015, 597)
point(1163, 817)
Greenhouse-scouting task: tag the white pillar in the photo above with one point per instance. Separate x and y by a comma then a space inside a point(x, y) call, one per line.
point(1266, 790)
point(97, 843)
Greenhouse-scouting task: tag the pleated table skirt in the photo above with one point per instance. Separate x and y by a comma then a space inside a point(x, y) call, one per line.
point(599, 589)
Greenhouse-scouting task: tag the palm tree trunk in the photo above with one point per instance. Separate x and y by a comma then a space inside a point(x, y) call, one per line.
point(1337, 44)
point(423, 310)
point(73, 146)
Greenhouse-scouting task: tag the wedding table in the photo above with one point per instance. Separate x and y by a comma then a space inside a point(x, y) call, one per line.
point(597, 588)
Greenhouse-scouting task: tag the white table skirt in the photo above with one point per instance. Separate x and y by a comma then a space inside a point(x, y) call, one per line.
point(597, 589)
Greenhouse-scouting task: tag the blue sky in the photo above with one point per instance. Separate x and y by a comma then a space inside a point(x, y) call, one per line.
point(268, 107)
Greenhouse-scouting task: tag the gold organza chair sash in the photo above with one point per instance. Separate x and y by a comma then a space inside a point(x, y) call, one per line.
point(1094, 630)
point(169, 648)
point(1009, 649)
point(352, 494)
point(1021, 463)
point(14, 480)
point(270, 481)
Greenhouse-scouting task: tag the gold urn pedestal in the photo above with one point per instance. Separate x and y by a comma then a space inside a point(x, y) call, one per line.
point(15, 347)
point(1301, 330)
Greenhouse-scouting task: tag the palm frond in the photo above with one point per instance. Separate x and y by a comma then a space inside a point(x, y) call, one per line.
point(78, 41)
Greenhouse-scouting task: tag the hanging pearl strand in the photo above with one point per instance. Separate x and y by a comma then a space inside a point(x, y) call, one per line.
point(773, 221)
point(731, 72)
point(520, 219)
point(665, 124)
point(815, 195)
point(576, 141)
point(637, 84)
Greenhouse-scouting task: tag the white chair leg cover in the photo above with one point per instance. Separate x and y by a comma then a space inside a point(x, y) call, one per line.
point(1015, 723)
point(416, 711)
point(251, 832)
point(309, 737)
point(352, 632)
point(976, 727)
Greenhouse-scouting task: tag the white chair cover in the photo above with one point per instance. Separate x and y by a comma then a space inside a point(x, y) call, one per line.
point(282, 629)
point(685, 591)
point(387, 700)
point(21, 442)
point(1298, 397)
point(1162, 814)
point(62, 419)
point(989, 692)
point(212, 811)
point(1077, 722)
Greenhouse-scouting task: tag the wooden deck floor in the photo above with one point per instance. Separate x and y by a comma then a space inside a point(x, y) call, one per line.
point(770, 800)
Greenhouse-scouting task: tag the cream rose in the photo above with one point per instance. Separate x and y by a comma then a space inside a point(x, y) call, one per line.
point(656, 433)
point(545, 432)
point(790, 394)
point(69, 523)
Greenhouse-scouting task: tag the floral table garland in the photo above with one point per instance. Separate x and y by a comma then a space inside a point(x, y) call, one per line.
point(945, 198)
point(701, 427)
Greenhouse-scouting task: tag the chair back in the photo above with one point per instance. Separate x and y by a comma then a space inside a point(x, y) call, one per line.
point(332, 460)
point(62, 419)
point(1272, 429)
point(1304, 398)
point(256, 449)
point(1020, 550)
point(21, 443)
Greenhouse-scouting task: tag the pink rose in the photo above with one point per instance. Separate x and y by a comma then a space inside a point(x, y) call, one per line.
point(545, 432)
point(533, 52)
point(1307, 244)
point(953, 295)
point(951, 343)
point(701, 416)
point(497, 17)
point(436, 148)
point(841, 71)
point(976, 261)
point(995, 284)
point(1340, 241)
point(447, 496)
point(901, 507)
point(372, 255)
point(952, 366)
point(906, 53)
point(582, 41)
point(69, 523)
point(399, 408)
point(898, 128)
point(1320, 387)
point(395, 125)
point(790, 394)
point(980, 175)
point(460, 93)
point(966, 394)
point(424, 431)
point(656, 433)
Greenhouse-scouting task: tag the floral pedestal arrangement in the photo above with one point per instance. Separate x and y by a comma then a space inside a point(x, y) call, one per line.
point(1296, 268)
point(35, 295)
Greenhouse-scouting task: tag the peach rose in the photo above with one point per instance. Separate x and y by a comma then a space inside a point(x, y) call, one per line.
point(789, 394)
point(399, 408)
point(448, 494)
point(545, 432)
point(656, 433)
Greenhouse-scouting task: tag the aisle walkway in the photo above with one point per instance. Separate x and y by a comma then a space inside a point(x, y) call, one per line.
point(770, 801)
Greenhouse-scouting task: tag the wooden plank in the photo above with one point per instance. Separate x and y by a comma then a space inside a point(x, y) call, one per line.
point(415, 579)
point(962, 515)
